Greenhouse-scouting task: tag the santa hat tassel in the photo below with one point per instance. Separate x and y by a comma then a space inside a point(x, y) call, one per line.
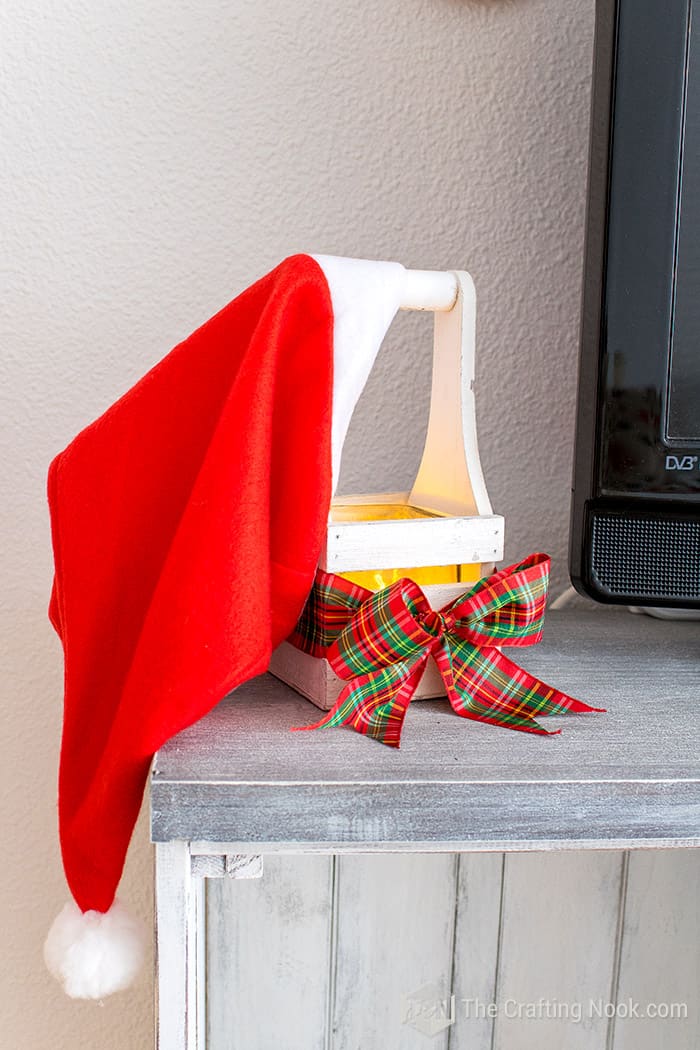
point(93, 953)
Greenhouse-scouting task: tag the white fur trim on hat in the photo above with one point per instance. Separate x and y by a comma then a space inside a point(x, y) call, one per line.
point(365, 295)
point(95, 953)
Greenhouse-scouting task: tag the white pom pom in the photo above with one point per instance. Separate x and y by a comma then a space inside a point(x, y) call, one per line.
point(95, 953)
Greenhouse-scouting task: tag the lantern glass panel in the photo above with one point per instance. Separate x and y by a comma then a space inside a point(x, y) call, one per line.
point(376, 579)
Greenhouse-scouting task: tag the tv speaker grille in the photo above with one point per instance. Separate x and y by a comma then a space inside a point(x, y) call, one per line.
point(646, 556)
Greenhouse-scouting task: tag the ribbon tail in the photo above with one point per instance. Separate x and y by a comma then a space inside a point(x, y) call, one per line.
point(375, 704)
point(542, 699)
point(486, 686)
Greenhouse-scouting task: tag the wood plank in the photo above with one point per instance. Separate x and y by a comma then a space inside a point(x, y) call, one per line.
point(356, 545)
point(416, 816)
point(557, 950)
point(477, 927)
point(660, 956)
point(179, 991)
point(394, 950)
point(268, 943)
point(644, 671)
point(622, 779)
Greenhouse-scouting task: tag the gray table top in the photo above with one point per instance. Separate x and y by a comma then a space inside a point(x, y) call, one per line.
point(629, 777)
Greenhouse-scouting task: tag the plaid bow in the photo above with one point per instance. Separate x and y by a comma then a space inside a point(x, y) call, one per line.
point(380, 644)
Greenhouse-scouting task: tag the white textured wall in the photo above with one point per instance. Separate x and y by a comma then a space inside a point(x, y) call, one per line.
point(158, 157)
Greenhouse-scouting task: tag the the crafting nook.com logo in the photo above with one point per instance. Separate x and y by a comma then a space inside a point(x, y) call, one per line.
point(431, 1010)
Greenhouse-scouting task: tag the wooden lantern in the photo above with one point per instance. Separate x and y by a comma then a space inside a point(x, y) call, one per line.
point(443, 533)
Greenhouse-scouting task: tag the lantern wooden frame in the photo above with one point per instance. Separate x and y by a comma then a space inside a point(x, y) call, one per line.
point(460, 527)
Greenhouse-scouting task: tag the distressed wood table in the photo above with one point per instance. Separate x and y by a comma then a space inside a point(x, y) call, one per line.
point(239, 785)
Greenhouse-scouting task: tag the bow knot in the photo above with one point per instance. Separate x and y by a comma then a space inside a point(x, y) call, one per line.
point(392, 625)
point(380, 643)
point(436, 624)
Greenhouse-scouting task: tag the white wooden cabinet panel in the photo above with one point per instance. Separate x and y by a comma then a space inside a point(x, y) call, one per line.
point(660, 954)
point(477, 925)
point(268, 956)
point(382, 869)
point(559, 926)
point(383, 951)
point(394, 946)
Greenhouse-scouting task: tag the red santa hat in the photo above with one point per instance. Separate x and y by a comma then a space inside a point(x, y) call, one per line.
point(187, 523)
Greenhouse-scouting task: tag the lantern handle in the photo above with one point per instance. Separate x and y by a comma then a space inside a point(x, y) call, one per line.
point(429, 290)
point(450, 480)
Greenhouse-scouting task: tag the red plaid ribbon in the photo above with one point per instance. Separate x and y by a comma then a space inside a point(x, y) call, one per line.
point(380, 643)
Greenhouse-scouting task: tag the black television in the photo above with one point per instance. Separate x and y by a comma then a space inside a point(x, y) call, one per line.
point(635, 523)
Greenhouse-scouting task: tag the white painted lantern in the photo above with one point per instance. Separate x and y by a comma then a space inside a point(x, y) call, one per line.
point(443, 533)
